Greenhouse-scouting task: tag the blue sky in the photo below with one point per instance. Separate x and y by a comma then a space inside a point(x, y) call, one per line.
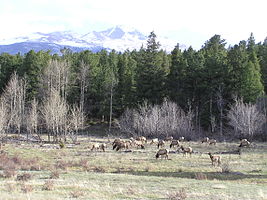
point(190, 22)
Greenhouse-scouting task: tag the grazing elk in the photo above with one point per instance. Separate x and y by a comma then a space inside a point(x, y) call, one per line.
point(161, 143)
point(168, 138)
point(162, 152)
point(139, 144)
point(205, 140)
point(142, 139)
point(244, 143)
point(186, 150)
point(212, 141)
point(121, 145)
point(215, 159)
point(174, 143)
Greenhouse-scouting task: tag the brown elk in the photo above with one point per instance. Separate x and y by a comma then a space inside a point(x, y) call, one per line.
point(215, 159)
point(162, 152)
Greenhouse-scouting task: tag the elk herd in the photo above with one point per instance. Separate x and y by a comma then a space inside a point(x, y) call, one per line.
point(141, 141)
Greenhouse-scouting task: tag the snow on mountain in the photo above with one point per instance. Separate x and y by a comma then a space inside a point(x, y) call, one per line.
point(119, 38)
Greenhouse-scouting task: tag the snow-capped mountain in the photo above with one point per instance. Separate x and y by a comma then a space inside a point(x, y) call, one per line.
point(119, 38)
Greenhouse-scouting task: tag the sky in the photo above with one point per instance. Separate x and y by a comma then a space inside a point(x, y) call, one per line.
point(189, 22)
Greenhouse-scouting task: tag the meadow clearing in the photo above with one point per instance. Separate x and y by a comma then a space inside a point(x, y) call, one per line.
point(31, 171)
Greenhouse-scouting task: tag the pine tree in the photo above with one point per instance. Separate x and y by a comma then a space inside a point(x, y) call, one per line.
point(263, 63)
point(150, 75)
point(253, 85)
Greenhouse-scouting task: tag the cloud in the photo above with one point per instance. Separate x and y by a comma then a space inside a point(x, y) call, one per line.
point(234, 20)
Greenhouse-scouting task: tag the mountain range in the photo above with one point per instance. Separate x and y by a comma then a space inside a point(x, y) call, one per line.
point(119, 38)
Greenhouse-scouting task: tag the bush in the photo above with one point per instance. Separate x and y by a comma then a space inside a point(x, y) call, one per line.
point(48, 185)
point(24, 177)
point(26, 188)
point(8, 173)
point(54, 174)
point(77, 194)
point(180, 195)
point(226, 168)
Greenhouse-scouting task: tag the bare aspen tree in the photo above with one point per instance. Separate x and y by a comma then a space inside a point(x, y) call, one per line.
point(14, 95)
point(126, 122)
point(55, 110)
point(159, 120)
point(220, 105)
point(32, 119)
point(3, 119)
point(56, 76)
point(83, 78)
point(77, 118)
point(262, 105)
point(245, 117)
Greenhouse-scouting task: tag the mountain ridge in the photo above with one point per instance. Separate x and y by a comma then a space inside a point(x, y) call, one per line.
point(119, 38)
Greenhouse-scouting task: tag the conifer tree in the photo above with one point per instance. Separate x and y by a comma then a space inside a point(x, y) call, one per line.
point(150, 75)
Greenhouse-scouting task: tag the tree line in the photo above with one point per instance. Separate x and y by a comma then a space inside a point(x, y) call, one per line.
point(205, 84)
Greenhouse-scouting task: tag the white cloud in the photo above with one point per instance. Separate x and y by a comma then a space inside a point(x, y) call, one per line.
point(234, 20)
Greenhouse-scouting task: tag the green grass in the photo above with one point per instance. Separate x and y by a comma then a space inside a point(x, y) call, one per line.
point(138, 175)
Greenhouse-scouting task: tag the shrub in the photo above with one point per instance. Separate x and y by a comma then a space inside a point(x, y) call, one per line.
point(54, 174)
point(48, 185)
point(8, 173)
point(77, 194)
point(180, 195)
point(226, 168)
point(84, 164)
point(24, 177)
point(10, 187)
point(26, 188)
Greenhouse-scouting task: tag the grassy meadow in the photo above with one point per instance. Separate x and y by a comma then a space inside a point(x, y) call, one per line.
point(29, 171)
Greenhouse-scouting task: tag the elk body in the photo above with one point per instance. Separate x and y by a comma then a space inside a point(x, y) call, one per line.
point(212, 141)
point(205, 140)
point(169, 138)
point(215, 159)
point(162, 153)
point(142, 139)
point(98, 146)
point(174, 143)
point(244, 143)
point(161, 143)
point(186, 150)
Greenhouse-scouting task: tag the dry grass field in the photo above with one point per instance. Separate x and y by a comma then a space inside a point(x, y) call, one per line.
point(31, 171)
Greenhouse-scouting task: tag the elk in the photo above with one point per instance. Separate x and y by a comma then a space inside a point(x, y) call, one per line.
point(181, 139)
point(139, 144)
point(205, 140)
point(103, 147)
point(142, 139)
point(174, 143)
point(168, 138)
point(161, 143)
point(162, 152)
point(244, 143)
point(121, 145)
point(215, 159)
point(212, 141)
point(154, 141)
point(186, 150)
point(95, 146)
